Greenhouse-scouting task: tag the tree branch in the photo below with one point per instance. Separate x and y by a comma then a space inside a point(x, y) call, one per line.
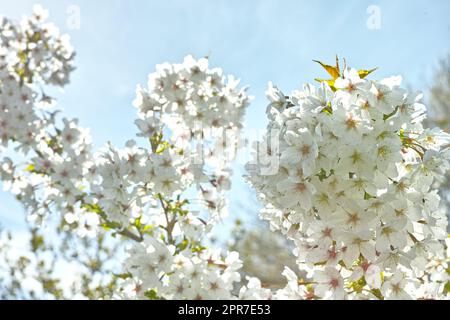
point(131, 235)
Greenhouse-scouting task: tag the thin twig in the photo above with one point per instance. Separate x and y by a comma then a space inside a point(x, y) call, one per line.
point(131, 235)
point(170, 224)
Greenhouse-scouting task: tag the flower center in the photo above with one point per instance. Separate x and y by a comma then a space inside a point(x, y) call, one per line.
point(334, 283)
point(305, 150)
point(301, 187)
point(351, 123)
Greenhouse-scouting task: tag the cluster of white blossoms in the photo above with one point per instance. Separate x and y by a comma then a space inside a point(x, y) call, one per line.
point(34, 54)
point(201, 113)
point(135, 191)
point(190, 99)
point(354, 186)
point(35, 49)
point(158, 270)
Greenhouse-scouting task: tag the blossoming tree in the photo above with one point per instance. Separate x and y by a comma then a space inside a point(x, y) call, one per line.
point(345, 171)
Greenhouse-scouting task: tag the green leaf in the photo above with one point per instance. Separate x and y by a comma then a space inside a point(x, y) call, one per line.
point(364, 73)
point(447, 287)
point(198, 248)
point(122, 275)
point(137, 223)
point(110, 225)
point(36, 242)
point(35, 37)
point(368, 196)
point(330, 82)
point(163, 145)
point(357, 285)
point(30, 168)
point(152, 295)
point(92, 208)
point(182, 245)
point(332, 71)
point(22, 56)
point(147, 228)
point(387, 116)
point(322, 175)
point(377, 293)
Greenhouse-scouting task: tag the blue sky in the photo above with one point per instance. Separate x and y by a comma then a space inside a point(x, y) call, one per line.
point(119, 42)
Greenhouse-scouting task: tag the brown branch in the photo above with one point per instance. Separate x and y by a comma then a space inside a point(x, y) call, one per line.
point(131, 235)
point(170, 223)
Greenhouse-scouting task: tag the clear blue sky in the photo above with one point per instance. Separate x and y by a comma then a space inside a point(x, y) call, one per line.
point(119, 42)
